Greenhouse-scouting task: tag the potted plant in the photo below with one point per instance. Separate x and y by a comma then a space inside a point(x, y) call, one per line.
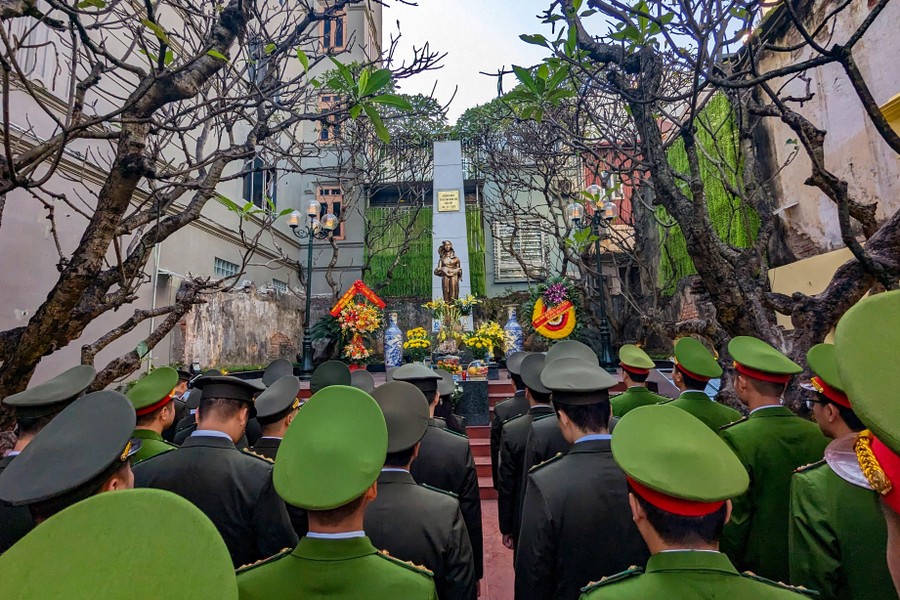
point(417, 345)
point(479, 347)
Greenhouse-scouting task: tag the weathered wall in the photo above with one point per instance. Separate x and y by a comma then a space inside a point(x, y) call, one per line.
point(240, 328)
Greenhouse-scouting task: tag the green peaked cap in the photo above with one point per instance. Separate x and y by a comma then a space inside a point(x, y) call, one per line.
point(631, 355)
point(695, 358)
point(866, 342)
point(155, 386)
point(576, 376)
point(77, 446)
point(333, 451)
point(822, 360)
point(670, 451)
point(571, 349)
point(531, 370)
point(754, 353)
point(276, 370)
point(405, 413)
point(330, 372)
point(125, 544)
point(413, 371)
point(514, 362)
point(52, 395)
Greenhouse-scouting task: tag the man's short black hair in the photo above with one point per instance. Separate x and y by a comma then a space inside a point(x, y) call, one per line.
point(587, 417)
point(637, 378)
point(517, 381)
point(29, 426)
point(847, 414)
point(41, 511)
point(692, 383)
point(147, 419)
point(540, 397)
point(769, 389)
point(680, 530)
point(336, 516)
point(399, 459)
point(223, 408)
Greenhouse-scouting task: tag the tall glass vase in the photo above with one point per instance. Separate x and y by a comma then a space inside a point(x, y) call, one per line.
point(393, 343)
point(514, 336)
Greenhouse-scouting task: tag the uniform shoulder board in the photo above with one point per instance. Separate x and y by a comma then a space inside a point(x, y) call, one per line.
point(810, 466)
point(405, 564)
point(263, 561)
point(631, 572)
point(558, 456)
point(797, 589)
point(542, 417)
point(434, 489)
point(665, 400)
point(440, 422)
point(513, 418)
point(250, 452)
point(732, 424)
point(143, 460)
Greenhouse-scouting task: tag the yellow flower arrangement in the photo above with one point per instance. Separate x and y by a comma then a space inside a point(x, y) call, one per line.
point(417, 344)
point(479, 345)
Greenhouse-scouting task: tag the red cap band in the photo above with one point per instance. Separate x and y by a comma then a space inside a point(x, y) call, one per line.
point(829, 392)
point(149, 409)
point(761, 375)
point(634, 370)
point(890, 464)
point(677, 506)
point(691, 375)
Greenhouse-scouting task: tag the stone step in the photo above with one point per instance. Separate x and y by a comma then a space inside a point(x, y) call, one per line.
point(478, 432)
point(483, 466)
point(481, 447)
point(486, 489)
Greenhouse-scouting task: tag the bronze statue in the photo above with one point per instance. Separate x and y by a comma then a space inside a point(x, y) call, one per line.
point(449, 269)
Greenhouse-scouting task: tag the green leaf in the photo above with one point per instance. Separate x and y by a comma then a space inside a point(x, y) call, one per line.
point(142, 349)
point(588, 12)
point(270, 48)
point(363, 82)
point(170, 56)
point(536, 39)
point(543, 72)
point(158, 31)
point(791, 142)
point(304, 60)
point(91, 4)
point(284, 213)
point(380, 130)
point(355, 110)
point(217, 54)
point(393, 100)
point(344, 72)
point(378, 80)
point(525, 77)
point(229, 203)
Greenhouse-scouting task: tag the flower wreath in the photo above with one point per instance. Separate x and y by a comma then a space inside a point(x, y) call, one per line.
point(554, 309)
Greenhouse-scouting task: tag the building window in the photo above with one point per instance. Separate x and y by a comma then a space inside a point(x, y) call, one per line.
point(329, 128)
point(280, 286)
point(334, 32)
point(224, 268)
point(259, 184)
point(331, 199)
point(527, 241)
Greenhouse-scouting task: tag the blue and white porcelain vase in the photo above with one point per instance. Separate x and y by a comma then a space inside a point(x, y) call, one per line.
point(514, 336)
point(393, 343)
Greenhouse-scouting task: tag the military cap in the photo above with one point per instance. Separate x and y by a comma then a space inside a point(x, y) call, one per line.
point(136, 544)
point(514, 362)
point(634, 360)
point(575, 376)
point(52, 395)
point(405, 412)
point(330, 372)
point(420, 376)
point(184, 375)
point(532, 366)
point(827, 380)
point(333, 451)
point(695, 361)
point(571, 349)
point(363, 380)
point(233, 388)
point(757, 359)
point(153, 391)
point(192, 400)
point(278, 399)
point(79, 445)
point(675, 462)
point(446, 386)
point(276, 370)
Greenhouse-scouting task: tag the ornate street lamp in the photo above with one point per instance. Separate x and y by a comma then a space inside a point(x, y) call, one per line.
point(312, 230)
point(601, 217)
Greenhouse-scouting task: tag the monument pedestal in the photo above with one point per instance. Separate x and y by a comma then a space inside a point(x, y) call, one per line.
point(473, 405)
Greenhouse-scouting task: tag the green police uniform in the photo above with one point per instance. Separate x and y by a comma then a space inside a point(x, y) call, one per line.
point(332, 453)
point(233, 488)
point(635, 361)
point(694, 360)
point(771, 443)
point(576, 522)
point(126, 544)
point(150, 394)
point(677, 464)
point(412, 522)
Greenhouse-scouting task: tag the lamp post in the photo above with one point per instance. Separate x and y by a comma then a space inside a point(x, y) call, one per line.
point(312, 230)
point(601, 217)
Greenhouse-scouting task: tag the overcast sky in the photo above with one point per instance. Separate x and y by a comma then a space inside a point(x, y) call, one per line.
point(478, 35)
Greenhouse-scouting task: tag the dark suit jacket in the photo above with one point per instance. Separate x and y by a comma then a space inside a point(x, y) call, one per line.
point(15, 521)
point(188, 425)
point(425, 527)
point(268, 447)
point(504, 411)
point(576, 525)
point(545, 440)
point(234, 489)
point(445, 462)
point(512, 457)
